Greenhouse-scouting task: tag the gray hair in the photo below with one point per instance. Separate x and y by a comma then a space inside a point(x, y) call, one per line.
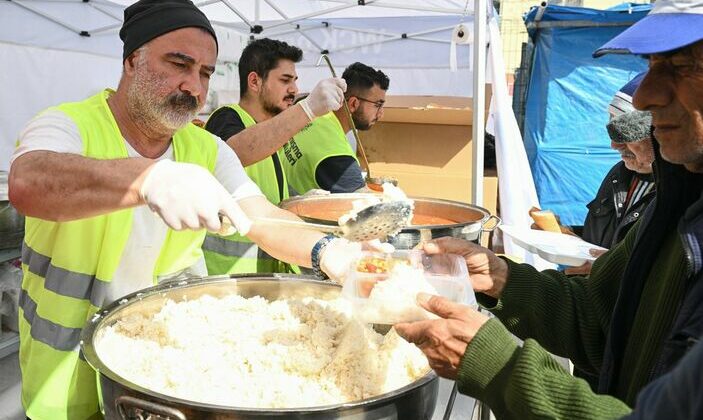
point(630, 127)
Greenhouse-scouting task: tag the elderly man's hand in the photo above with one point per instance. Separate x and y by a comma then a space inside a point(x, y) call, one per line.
point(443, 341)
point(488, 273)
point(585, 268)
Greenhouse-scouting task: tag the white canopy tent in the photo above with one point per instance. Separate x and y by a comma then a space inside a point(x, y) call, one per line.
point(53, 51)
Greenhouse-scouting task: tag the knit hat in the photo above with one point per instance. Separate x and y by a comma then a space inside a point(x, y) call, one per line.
point(628, 124)
point(149, 19)
point(672, 24)
point(631, 127)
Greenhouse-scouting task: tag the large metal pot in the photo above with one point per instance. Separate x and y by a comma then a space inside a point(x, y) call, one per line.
point(123, 399)
point(434, 217)
point(11, 222)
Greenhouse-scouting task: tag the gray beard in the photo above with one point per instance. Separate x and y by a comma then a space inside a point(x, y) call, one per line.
point(157, 113)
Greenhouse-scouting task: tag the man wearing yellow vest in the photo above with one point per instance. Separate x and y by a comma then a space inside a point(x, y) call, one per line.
point(118, 190)
point(320, 156)
point(264, 120)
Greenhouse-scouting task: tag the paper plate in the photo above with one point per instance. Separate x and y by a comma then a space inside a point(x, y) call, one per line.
point(556, 248)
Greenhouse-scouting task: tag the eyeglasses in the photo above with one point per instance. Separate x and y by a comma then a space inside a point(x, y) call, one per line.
point(378, 104)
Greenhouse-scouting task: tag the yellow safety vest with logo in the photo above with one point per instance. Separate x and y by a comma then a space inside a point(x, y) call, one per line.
point(317, 141)
point(68, 266)
point(236, 254)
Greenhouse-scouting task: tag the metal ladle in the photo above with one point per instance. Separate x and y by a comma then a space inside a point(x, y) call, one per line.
point(369, 179)
point(374, 222)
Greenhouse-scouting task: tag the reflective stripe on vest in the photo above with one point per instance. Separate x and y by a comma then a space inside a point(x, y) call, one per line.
point(317, 141)
point(67, 268)
point(237, 254)
point(49, 333)
point(223, 246)
point(64, 282)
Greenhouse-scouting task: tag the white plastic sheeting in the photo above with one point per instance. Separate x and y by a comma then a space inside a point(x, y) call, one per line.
point(36, 78)
point(516, 188)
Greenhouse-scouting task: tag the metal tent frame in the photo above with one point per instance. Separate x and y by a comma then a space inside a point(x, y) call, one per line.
point(259, 28)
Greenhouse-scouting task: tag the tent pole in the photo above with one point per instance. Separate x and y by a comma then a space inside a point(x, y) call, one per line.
point(284, 16)
point(257, 12)
point(237, 12)
point(389, 34)
point(479, 101)
point(106, 28)
point(308, 15)
point(395, 37)
point(207, 3)
point(105, 12)
point(379, 3)
point(289, 31)
point(48, 17)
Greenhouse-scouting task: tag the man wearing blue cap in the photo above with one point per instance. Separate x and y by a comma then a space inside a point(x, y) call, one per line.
point(641, 309)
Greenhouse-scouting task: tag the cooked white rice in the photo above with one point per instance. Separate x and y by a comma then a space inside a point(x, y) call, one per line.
point(254, 353)
point(394, 299)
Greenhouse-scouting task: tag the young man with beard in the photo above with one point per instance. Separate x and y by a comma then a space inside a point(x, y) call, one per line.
point(265, 118)
point(118, 190)
point(320, 157)
point(641, 309)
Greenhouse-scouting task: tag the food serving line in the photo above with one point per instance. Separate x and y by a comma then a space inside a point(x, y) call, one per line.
point(427, 396)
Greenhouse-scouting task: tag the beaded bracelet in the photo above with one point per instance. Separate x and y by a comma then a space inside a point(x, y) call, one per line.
point(317, 252)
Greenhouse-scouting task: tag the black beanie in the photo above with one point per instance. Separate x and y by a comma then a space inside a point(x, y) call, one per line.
point(148, 19)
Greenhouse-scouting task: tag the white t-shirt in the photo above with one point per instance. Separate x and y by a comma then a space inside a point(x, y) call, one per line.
point(55, 131)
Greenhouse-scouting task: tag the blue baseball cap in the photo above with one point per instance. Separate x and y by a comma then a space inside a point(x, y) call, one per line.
point(672, 24)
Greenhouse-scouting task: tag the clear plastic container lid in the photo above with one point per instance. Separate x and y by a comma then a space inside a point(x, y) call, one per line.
point(383, 287)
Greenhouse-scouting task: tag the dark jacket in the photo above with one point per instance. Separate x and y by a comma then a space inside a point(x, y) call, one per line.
point(607, 222)
point(676, 395)
point(679, 206)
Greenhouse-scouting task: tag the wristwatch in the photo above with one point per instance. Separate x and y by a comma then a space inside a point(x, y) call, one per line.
point(317, 252)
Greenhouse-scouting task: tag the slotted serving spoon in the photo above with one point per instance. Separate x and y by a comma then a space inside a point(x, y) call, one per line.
point(374, 222)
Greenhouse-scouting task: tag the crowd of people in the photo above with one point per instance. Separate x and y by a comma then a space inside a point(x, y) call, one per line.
point(122, 191)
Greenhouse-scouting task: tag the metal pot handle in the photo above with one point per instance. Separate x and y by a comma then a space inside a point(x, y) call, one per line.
point(491, 228)
point(134, 408)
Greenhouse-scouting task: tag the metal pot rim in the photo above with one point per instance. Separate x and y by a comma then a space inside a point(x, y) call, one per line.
point(92, 326)
point(484, 218)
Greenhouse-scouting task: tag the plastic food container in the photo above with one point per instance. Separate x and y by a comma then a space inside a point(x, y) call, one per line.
point(383, 287)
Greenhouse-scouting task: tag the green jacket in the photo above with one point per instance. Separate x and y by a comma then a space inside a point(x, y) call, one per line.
point(570, 317)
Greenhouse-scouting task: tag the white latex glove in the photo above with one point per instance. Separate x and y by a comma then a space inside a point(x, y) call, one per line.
point(326, 96)
point(337, 257)
point(187, 196)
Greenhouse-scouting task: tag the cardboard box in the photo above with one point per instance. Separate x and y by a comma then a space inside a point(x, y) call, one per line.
point(425, 142)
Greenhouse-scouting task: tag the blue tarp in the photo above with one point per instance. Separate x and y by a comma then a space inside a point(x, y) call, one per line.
point(567, 102)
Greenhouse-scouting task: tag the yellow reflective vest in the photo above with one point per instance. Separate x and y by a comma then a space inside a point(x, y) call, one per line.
point(68, 266)
point(236, 254)
point(319, 140)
